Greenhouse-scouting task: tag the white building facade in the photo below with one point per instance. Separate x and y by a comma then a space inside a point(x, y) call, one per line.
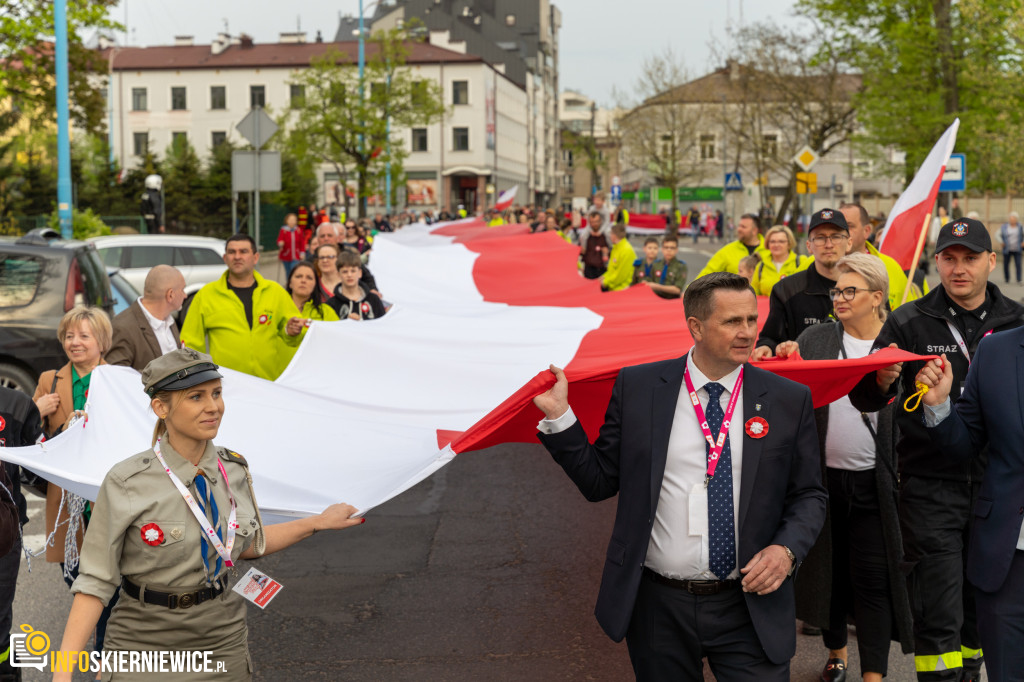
point(199, 93)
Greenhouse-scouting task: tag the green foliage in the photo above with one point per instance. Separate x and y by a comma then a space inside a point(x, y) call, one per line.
point(338, 125)
point(183, 183)
point(84, 223)
point(924, 62)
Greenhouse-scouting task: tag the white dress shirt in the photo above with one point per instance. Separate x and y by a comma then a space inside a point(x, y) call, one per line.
point(161, 328)
point(678, 546)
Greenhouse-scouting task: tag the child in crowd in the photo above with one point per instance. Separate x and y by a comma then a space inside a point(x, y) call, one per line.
point(350, 300)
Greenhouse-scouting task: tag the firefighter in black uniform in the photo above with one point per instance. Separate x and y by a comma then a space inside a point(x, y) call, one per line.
point(937, 495)
point(20, 425)
point(151, 203)
point(802, 299)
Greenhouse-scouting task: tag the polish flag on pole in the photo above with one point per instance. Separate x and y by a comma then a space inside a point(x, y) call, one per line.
point(505, 199)
point(908, 221)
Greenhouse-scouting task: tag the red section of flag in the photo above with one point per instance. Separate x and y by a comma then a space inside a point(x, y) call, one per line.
point(649, 221)
point(905, 229)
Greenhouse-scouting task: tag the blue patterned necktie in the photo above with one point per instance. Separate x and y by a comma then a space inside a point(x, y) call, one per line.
point(721, 534)
point(209, 506)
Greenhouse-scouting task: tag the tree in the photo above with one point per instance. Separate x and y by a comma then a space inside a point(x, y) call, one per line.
point(786, 93)
point(344, 122)
point(661, 134)
point(584, 146)
point(28, 57)
point(183, 184)
point(925, 62)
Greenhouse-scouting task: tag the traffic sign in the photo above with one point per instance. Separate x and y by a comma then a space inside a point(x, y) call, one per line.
point(806, 158)
point(733, 182)
point(806, 183)
point(954, 179)
point(616, 193)
point(255, 171)
point(257, 127)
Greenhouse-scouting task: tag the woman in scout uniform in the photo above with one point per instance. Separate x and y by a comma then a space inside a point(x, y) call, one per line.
point(169, 523)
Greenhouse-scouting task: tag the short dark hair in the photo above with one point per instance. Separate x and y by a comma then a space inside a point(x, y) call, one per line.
point(697, 299)
point(865, 219)
point(595, 213)
point(650, 240)
point(242, 237)
point(619, 230)
point(670, 238)
point(753, 217)
point(349, 259)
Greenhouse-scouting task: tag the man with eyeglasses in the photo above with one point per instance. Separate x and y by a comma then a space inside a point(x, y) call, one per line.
point(937, 494)
point(802, 299)
point(859, 222)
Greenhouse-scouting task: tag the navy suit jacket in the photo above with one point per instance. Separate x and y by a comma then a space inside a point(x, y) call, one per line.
point(782, 501)
point(991, 411)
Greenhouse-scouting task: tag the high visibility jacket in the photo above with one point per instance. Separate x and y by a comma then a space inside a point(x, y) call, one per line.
point(766, 275)
point(494, 222)
point(216, 324)
point(308, 312)
point(727, 258)
point(620, 266)
point(897, 279)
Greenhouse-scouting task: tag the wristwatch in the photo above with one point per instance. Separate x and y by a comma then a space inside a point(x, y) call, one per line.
point(792, 558)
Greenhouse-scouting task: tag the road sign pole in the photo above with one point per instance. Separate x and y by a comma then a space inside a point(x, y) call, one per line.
point(256, 213)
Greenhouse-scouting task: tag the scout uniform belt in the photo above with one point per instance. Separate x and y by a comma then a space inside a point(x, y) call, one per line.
point(175, 600)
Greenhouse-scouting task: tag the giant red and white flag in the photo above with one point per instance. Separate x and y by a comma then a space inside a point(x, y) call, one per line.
point(366, 410)
point(506, 198)
point(902, 232)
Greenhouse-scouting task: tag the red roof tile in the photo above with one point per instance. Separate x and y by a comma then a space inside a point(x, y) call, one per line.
point(266, 55)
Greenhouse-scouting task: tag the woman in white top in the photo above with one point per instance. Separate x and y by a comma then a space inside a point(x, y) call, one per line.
point(854, 568)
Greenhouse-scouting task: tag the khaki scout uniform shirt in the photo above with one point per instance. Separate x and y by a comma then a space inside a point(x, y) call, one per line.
point(137, 492)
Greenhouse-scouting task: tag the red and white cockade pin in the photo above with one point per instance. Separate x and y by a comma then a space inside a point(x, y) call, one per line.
point(152, 535)
point(756, 427)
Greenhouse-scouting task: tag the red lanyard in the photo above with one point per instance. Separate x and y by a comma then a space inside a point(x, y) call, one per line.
point(716, 447)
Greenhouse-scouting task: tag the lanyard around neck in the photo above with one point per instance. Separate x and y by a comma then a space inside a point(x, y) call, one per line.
point(208, 530)
point(715, 447)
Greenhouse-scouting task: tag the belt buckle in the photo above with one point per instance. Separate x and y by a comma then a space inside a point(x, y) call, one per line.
point(186, 599)
point(703, 588)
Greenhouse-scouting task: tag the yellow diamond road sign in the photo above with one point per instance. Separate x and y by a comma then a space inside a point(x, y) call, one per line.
point(806, 158)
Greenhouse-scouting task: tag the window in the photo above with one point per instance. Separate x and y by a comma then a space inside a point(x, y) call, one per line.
point(148, 256)
point(179, 140)
point(707, 147)
point(567, 157)
point(178, 99)
point(460, 92)
point(567, 183)
point(460, 139)
point(419, 139)
point(770, 145)
point(111, 257)
point(297, 96)
point(257, 96)
point(139, 102)
point(198, 256)
point(667, 147)
point(19, 279)
point(218, 97)
point(140, 143)
point(217, 138)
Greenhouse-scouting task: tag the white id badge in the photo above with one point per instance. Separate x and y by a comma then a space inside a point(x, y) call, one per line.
point(257, 587)
point(698, 499)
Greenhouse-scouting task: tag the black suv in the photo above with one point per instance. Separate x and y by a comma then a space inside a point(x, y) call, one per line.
point(42, 277)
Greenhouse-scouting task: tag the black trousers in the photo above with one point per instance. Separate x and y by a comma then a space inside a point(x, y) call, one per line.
point(935, 519)
point(672, 630)
point(9, 565)
point(593, 271)
point(1001, 621)
point(1011, 256)
point(860, 569)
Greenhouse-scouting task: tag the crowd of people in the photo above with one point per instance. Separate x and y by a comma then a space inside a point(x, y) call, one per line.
point(875, 515)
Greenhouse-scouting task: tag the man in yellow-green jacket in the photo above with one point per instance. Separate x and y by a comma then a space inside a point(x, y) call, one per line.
point(860, 229)
point(619, 274)
point(748, 242)
point(242, 319)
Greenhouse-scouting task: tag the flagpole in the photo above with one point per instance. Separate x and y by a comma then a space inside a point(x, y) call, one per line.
point(917, 257)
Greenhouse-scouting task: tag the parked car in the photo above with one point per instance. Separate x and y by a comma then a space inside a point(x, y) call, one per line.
point(42, 277)
point(122, 290)
point(200, 259)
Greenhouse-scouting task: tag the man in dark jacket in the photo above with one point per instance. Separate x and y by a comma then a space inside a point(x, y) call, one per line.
point(937, 495)
point(802, 299)
point(147, 330)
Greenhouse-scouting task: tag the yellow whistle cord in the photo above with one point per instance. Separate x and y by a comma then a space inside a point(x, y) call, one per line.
point(921, 390)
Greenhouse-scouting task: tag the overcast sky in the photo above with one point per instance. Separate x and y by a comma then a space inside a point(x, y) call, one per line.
point(602, 43)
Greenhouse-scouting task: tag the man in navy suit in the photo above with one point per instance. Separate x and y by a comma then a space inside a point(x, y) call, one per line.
point(717, 469)
point(989, 412)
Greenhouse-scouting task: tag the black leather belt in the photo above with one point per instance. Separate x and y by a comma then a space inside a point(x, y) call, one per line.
point(175, 600)
point(701, 588)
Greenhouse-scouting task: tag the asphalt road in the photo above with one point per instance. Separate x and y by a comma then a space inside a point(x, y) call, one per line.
point(487, 570)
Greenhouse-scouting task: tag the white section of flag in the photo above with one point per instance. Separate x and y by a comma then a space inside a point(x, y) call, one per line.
point(506, 198)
